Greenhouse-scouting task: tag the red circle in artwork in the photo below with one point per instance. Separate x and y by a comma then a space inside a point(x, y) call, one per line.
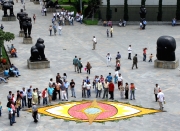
point(76, 111)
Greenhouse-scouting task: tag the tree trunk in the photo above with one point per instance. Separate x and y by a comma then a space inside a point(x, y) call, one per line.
point(178, 10)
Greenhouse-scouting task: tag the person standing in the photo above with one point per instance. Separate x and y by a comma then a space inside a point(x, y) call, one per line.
point(72, 86)
point(10, 115)
point(120, 79)
point(24, 6)
point(156, 91)
point(144, 54)
point(34, 112)
point(80, 66)
point(108, 59)
point(126, 91)
point(45, 10)
point(63, 92)
point(88, 67)
point(111, 31)
point(132, 90)
point(161, 99)
point(18, 105)
point(66, 84)
point(54, 28)
point(44, 96)
point(29, 96)
point(150, 58)
point(116, 76)
point(107, 33)
point(59, 29)
point(39, 95)
point(94, 42)
point(50, 93)
point(84, 83)
point(24, 97)
point(57, 86)
point(35, 96)
point(106, 87)
point(111, 90)
point(99, 89)
point(121, 89)
point(88, 86)
point(129, 52)
point(50, 29)
point(109, 78)
point(0, 108)
point(75, 63)
point(135, 61)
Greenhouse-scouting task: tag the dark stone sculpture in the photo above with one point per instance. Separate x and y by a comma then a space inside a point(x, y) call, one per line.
point(51, 4)
point(27, 26)
point(166, 46)
point(142, 13)
point(7, 5)
point(37, 51)
point(20, 16)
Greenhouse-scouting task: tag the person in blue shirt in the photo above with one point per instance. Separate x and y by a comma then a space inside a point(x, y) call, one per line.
point(109, 77)
point(29, 96)
point(50, 93)
point(6, 72)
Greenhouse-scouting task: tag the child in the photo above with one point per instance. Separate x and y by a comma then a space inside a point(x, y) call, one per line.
point(0, 108)
point(150, 58)
point(107, 33)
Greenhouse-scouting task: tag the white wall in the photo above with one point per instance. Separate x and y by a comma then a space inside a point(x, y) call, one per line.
point(138, 2)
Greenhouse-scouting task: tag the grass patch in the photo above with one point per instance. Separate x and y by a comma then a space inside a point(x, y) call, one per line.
point(90, 22)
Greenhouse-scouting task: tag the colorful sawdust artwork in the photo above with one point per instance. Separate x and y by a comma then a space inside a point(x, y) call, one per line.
point(95, 111)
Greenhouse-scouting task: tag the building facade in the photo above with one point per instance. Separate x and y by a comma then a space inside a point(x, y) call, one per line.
point(117, 7)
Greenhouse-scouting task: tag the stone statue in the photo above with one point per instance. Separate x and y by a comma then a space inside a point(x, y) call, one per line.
point(8, 5)
point(142, 12)
point(27, 26)
point(166, 46)
point(20, 16)
point(37, 51)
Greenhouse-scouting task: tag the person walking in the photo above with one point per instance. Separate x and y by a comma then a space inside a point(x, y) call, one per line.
point(80, 66)
point(106, 87)
point(94, 42)
point(132, 90)
point(75, 63)
point(84, 83)
point(45, 10)
point(50, 29)
point(161, 99)
point(88, 67)
point(34, 112)
point(156, 91)
point(55, 29)
point(59, 29)
point(126, 91)
point(150, 58)
point(99, 89)
point(129, 52)
point(111, 90)
point(111, 31)
point(44, 96)
point(135, 61)
point(108, 59)
point(144, 54)
point(72, 86)
point(107, 33)
point(121, 89)
point(116, 76)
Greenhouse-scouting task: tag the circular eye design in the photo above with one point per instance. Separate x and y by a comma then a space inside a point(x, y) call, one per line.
point(95, 111)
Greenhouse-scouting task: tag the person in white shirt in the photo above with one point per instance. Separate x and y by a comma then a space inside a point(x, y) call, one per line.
point(106, 87)
point(156, 91)
point(81, 18)
point(129, 52)
point(94, 42)
point(88, 86)
point(116, 76)
point(161, 99)
point(59, 29)
point(84, 89)
point(108, 58)
point(54, 15)
point(99, 89)
point(45, 11)
point(24, 98)
point(120, 80)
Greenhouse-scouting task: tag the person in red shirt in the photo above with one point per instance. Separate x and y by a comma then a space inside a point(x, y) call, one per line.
point(111, 90)
point(132, 91)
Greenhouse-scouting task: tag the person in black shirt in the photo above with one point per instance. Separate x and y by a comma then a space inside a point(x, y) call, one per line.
point(72, 85)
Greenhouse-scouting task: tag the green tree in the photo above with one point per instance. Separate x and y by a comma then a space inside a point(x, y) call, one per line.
point(143, 2)
point(126, 17)
point(5, 36)
point(108, 11)
point(159, 17)
point(178, 10)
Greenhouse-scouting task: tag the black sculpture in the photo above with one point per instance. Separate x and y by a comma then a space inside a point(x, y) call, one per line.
point(27, 26)
point(166, 46)
point(37, 51)
point(51, 4)
point(7, 5)
point(142, 13)
point(20, 16)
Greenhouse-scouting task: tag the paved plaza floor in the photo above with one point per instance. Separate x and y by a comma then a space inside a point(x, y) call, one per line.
point(77, 40)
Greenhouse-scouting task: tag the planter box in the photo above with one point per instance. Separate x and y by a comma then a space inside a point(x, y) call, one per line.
point(38, 64)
